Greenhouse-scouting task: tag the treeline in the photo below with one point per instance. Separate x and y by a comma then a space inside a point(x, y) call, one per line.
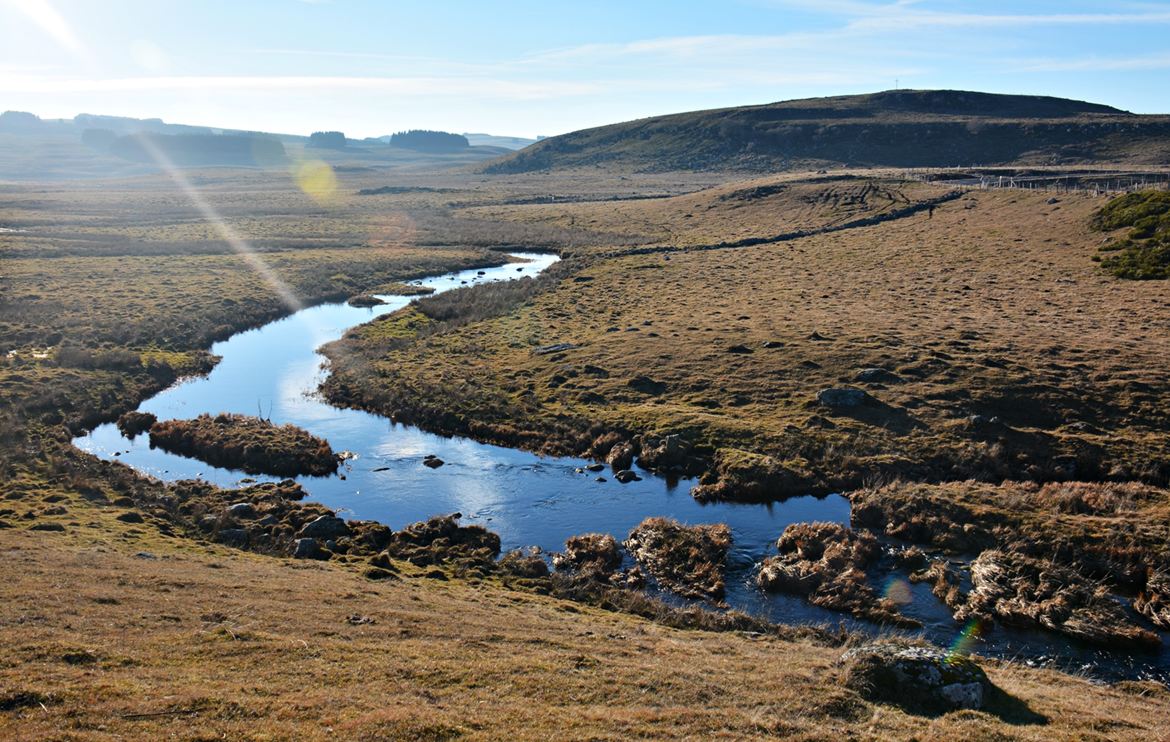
point(423, 140)
point(190, 149)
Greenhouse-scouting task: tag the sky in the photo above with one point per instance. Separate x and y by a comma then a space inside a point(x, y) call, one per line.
point(525, 68)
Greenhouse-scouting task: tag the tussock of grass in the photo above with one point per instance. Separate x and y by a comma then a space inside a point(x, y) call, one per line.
point(252, 444)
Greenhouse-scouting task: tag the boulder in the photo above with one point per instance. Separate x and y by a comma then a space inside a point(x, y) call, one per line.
point(325, 527)
point(877, 375)
point(918, 678)
point(432, 461)
point(843, 397)
point(237, 537)
point(668, 453)
point(308, 548)
point(621, 456)
point(625, 476)
point(242, 510)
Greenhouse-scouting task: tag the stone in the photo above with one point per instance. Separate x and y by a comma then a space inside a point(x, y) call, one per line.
point(242, 510)
point(843, 397)
point(130, 517)
point(325, 527)
point(625, 476)
point(308, 548)
point(877, 375)
point(918, 678)
point(237, 537)
point(433, 462)
point(621, 456)
point(595, 467)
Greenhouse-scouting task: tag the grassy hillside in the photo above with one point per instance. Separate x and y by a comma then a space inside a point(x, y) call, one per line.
point(903, 128)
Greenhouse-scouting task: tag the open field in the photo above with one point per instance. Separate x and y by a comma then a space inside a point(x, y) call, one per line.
point(112, 290)
point(1001, 349)
point(115, 630)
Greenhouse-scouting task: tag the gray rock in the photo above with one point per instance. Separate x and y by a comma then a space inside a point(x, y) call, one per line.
point(307, 548)
point(237, 537)
point(242, 510)
point(917, 677)
point(625, 476)
point(327, 526)
point(878, 375)
point(845, 396)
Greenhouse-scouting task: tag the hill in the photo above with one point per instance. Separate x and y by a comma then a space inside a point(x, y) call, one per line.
point(897, 128)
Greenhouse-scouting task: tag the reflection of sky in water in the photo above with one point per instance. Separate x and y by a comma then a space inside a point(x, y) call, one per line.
point(527, 499)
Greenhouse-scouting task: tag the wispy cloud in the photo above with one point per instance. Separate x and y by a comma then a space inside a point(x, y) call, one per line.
point(1147, 62)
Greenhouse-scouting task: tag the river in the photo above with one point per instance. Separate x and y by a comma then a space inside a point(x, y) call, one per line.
point(529, 500)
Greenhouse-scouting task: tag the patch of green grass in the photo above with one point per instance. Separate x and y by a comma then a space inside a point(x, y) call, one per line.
point(1144, 253)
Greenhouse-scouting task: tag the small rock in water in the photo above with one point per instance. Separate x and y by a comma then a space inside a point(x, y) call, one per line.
point(432, 461)
point(596, 467)
point(601, 479)
point(625, 476)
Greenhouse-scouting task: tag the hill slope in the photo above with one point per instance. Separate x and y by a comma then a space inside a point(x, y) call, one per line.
point(900, 128)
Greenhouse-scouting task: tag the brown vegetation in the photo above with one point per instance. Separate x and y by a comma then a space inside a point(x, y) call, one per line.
point(826, 562)
point(252, 444)
point(688, 560)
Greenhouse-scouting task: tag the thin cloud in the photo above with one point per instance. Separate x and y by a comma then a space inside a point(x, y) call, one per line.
point(45, 17)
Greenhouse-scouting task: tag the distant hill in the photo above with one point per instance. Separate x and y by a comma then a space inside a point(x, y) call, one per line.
point(492, 140)
point(898, 128)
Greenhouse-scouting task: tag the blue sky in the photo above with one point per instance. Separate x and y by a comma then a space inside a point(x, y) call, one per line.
point(527, 68)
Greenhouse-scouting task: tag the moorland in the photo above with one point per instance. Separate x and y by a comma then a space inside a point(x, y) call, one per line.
point(983, 359)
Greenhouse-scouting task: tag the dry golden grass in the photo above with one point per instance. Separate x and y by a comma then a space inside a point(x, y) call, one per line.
point(201, 642)
point(992, 307)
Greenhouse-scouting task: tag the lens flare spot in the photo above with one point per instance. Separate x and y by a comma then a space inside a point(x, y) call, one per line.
point(965, 642)
point(317, 180)
point(898, 590)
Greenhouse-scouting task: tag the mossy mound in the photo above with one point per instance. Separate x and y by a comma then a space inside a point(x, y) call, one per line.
point(1144, 252)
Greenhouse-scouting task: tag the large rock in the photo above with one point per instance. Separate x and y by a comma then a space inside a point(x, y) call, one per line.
point(670, 453)
point(308, 548)
point(843, 397)
point(621, 456)
point(326, 527)
point(918, 678)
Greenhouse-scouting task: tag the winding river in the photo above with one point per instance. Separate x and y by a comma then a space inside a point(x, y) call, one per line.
point(528, 500)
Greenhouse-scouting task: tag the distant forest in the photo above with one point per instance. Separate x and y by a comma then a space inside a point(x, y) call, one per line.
point(196, 149)
point(429, 141)
point(326, 140)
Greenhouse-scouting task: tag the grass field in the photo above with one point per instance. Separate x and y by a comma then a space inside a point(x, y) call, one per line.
point(121, 623)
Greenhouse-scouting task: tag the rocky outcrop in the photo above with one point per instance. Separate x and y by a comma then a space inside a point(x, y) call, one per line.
point(1027, 592)
point(917, 678)
point(825, 562)
point(688, 560)
point(441, 539)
